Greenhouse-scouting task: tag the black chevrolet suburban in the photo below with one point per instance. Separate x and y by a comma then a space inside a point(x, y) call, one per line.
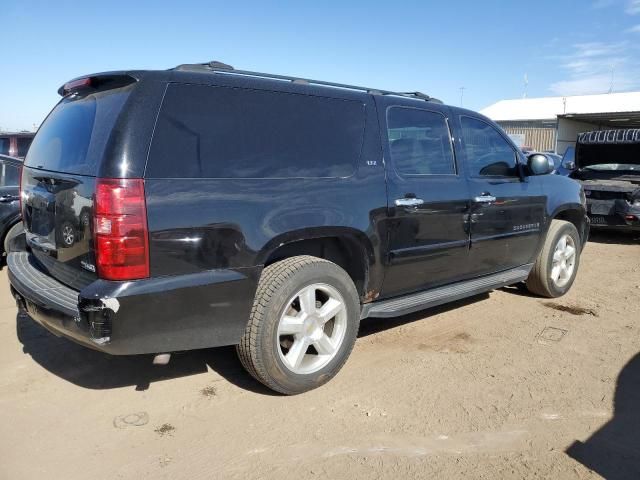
point(205, 206)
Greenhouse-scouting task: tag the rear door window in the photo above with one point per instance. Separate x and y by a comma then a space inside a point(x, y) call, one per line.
point(73, 137)
point(419, 142)
point(221, 132)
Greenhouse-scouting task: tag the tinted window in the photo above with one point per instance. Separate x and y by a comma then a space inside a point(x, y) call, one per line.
point(73, 137)
point(488, 153)
point(23, 145)
point(220, 132)
point(419, 142)
point(5, 145)
point(9, 175)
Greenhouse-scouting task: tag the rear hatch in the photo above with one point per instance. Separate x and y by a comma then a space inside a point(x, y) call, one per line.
point(59, 181)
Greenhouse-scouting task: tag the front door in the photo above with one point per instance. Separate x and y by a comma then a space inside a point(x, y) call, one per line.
point(507, 209)
point(428, 200)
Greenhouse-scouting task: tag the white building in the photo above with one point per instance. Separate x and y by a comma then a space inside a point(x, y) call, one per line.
point(553, 123)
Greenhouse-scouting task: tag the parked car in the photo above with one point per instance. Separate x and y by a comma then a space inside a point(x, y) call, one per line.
point(10, 224)
point(15, 144)
point(274, 213)
point(607, 164)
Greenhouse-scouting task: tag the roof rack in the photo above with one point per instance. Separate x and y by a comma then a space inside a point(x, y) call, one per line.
point(219, 67)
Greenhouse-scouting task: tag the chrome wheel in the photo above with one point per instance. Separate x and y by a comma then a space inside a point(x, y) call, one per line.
point(311, 328)
point(564, 261)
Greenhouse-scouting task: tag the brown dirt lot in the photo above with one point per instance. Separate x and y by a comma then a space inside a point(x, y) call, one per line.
point(499, 386)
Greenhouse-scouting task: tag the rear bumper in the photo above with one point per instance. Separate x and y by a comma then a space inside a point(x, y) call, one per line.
point(165, 314)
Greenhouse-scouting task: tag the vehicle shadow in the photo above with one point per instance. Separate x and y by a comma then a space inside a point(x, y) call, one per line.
point(96, 370)
point(373, 325)
point(612, 237)
point(614, 450)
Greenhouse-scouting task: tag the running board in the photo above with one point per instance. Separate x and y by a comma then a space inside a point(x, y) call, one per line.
point(414, 302)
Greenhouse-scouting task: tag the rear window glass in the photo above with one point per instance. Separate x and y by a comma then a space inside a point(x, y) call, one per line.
point(73, 137)
point(419, 142)
point(222, 132)
point(5, 145)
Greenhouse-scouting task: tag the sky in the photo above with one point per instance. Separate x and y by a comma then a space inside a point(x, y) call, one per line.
point(487, 47)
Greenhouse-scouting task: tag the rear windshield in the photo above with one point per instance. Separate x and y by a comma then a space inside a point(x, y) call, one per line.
point(221, 132)
point(73, 137)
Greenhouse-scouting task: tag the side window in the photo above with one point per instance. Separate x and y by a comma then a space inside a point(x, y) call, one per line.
point(419, 142)
point(488, 153)
point(9, 175)
point(221, 132)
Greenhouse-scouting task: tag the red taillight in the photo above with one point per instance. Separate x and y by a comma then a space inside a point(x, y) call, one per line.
point(120, 229)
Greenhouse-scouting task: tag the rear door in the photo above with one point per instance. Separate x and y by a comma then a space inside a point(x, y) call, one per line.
point(58, 182)
point(428, 198)
point(507, 210)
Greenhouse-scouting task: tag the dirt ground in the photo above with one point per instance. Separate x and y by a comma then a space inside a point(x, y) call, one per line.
point(503, 385)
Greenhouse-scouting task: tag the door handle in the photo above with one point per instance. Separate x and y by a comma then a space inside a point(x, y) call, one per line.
point(409, 202)
point(484, 198)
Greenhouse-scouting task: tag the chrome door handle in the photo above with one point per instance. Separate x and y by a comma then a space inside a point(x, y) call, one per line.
point(484, 199)
point(409, 202)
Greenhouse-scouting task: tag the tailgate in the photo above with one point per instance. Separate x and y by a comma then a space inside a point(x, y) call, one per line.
point(59, 178)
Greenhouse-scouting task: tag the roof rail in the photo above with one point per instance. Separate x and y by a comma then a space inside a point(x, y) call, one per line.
point(219, 67)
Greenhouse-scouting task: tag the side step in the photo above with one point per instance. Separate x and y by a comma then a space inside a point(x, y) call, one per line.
point(414, 302)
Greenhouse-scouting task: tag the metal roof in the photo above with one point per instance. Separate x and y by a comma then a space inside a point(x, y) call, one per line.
point(548, 108)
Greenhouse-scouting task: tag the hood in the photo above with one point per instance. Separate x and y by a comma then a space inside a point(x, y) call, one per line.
point(608, 147)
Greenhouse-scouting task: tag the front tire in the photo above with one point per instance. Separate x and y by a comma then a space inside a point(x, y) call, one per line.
point(557, 264)
point(303, 324)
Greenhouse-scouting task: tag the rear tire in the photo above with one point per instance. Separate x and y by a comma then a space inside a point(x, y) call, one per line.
point(14, 231)
point(303, 324)
point(557, 263)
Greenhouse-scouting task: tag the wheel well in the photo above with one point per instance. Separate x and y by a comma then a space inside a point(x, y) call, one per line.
point(573, 216)
point(343, 251)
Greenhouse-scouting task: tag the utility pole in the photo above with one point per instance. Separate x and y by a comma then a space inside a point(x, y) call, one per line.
point(611, 84)
point(462, 89)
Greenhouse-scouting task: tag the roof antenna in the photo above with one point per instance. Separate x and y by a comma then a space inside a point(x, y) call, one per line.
point(462, 89)
point(526, 84)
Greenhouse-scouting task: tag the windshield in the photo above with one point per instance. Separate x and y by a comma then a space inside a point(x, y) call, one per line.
point(73, 137)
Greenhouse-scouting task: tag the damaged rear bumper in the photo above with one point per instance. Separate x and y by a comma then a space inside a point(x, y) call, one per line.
point(164, 314)
point(614, 214)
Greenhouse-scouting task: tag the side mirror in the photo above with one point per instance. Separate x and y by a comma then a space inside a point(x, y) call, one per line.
point(540, 164)
point(569, 165)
